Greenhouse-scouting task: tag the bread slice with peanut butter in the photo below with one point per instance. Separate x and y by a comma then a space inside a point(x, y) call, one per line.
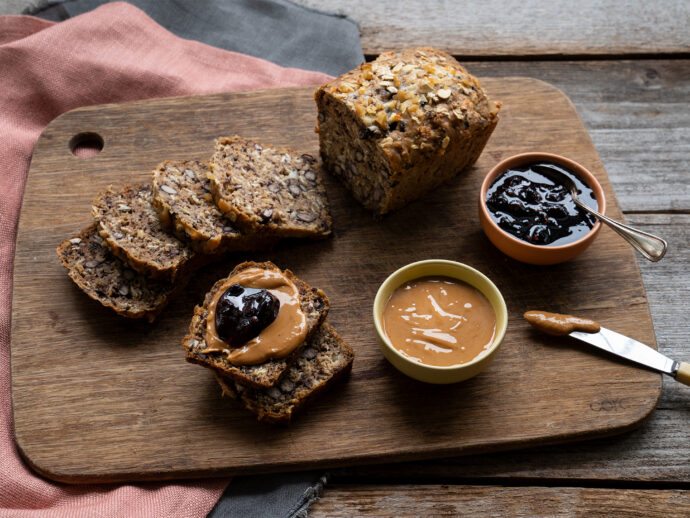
point(325, 359)
point(312, 302)
point(269, 190)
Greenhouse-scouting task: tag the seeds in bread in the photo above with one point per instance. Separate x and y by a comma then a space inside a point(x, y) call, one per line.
point(399, 126)
point(324, 359)
point(272, 190)
point(313, 302)
point(110, 281)
point(131, 228)
point(182, 197)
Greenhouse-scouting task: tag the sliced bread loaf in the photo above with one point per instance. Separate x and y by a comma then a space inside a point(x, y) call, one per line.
point(130, 226)
point(182, 197)
point(266, 189)
point(313, 302)
point(110, 281)
point(324, 359)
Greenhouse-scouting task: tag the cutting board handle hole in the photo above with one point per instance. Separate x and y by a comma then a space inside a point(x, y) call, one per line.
point(86, 144)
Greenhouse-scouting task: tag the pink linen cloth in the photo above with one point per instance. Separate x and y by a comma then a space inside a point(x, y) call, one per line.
point(115, 53)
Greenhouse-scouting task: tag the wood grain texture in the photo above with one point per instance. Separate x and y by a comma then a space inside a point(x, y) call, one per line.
point(519, 28)
point(493, 501)
point(97, 397)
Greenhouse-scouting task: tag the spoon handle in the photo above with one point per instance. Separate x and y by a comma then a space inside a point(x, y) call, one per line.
point(649, 245)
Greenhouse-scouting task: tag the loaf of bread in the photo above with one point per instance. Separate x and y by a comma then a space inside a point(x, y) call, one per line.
point(131, 228)
point(313, 302)
point(399, 126)
point(182, 197)
point(325, 359)
point(110, 281)
point(273, 191)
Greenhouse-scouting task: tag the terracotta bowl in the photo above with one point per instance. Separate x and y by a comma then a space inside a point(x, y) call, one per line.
point(462, 272)
point(527, 252)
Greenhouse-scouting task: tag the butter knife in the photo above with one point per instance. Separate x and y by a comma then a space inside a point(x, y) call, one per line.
point(635, 351)
point(611, 342)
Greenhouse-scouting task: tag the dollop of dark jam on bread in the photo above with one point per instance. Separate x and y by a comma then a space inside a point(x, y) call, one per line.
point(242, 313)
point(530, 206)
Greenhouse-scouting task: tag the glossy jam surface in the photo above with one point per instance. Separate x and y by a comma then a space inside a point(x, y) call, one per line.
point(530, 206)
point(439, 321)
point(242, 313)
point(277, 339)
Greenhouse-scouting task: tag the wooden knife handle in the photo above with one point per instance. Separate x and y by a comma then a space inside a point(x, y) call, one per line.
point(683, 374)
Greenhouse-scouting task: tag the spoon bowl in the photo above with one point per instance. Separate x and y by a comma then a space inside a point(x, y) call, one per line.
point(649, 245)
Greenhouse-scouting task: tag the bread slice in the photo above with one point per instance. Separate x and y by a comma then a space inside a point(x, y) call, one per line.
point(313, 303)
point(266, 189)
point(397, 127)
point(325, 359)
point(131, 228)
point(110, 281)
point(182, 197)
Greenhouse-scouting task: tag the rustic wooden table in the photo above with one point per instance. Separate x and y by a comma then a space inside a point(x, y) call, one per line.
point(626, 67)
point(627, 71)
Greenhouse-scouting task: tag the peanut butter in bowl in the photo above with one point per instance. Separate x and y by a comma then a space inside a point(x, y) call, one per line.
point(439, 321)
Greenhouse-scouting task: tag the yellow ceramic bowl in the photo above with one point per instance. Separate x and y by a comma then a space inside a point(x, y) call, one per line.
point(462, 272)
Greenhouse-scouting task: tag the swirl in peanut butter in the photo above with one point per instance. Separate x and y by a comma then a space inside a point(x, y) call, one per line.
point(439, 321)
point(560, 325)
point(278, 339)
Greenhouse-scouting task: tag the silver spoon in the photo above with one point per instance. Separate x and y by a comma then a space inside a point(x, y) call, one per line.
point(649, 245)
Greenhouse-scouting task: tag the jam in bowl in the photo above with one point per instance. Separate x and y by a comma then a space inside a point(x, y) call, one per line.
point(530, 217)
point(525, 202)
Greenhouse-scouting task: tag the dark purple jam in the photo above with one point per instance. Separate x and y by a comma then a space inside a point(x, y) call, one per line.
point(527, 204)
point(242, 313)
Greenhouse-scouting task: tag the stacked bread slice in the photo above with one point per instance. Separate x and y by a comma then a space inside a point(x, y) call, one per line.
point(147, 239)
point(278, 387)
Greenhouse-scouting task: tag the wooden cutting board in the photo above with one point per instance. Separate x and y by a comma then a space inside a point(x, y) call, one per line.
point(97, 397)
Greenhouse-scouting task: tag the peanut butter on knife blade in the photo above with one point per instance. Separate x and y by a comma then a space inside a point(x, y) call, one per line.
point(560, 325)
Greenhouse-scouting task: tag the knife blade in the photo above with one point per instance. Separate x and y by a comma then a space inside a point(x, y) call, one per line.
point(630, 349)
point(610, 341)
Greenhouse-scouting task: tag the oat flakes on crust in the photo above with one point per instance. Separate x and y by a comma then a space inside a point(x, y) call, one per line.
point(399, 126)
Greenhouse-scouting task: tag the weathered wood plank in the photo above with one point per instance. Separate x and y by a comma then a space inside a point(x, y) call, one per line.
point(509, 27)
point(450, 500)
point(657, 451)
point(638, 117)
point(668, 291)
point(514, 27)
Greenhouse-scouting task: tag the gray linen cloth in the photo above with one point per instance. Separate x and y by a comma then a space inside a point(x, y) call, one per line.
point(279, 31)
point(288, 35)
